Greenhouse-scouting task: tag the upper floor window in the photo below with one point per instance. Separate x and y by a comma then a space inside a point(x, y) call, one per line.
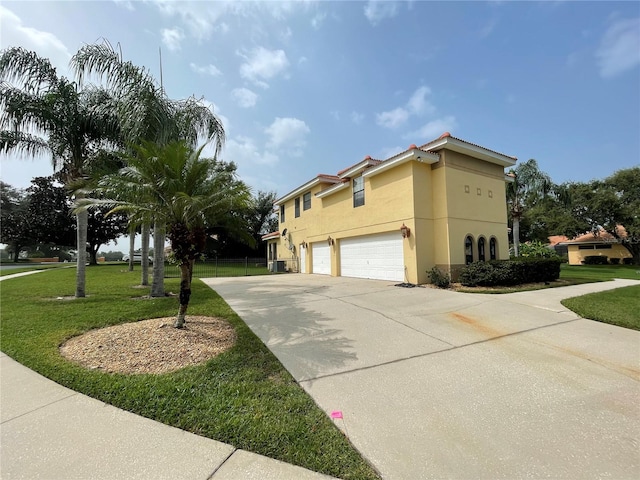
point(481, 255)
point(281, 213)
point(306, 201)
point(492, 249)
point(358, 191)
point(297, 207)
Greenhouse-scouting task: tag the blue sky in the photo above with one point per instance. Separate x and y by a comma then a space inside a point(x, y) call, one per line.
point(312, 87)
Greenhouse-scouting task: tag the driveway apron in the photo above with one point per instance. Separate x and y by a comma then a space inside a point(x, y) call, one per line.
point(440, 384)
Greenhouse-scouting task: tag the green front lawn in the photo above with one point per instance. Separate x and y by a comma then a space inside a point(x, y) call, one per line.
point(599, 273)
point(620, 306)
point(27, 268)
point(243, 397)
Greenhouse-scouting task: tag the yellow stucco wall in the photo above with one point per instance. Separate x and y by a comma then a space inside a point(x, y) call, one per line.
point(576, 255)
point(441, 204)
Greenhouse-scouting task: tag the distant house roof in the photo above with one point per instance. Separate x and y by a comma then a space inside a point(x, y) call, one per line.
point(602, 236)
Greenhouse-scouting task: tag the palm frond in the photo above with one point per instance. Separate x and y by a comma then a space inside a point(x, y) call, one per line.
point(33, 73)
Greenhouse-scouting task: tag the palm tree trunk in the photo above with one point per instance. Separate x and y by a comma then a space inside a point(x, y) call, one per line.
point(157, 285)
point(185, 291)
point(145, 254)
point(516, 236)
point(82, 220)
point(132, 245)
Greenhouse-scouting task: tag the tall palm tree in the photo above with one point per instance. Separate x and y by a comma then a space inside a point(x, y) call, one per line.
point(48, 114)
point(529, 186)
point(147, 115)
point(185, 192)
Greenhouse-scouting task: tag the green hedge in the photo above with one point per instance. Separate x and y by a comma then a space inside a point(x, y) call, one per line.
point(510, 272)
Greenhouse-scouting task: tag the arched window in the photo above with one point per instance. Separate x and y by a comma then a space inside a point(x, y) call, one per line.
point(493, 247)
point(481, 256)
point(468, 249)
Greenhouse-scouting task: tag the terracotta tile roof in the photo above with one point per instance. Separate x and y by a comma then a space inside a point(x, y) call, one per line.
point(332, 178)
point(555, 239)
point(601, 237)
point(447, 134)
point(373, 162)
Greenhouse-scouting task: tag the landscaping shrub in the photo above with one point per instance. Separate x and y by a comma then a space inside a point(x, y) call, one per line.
point(627, 261)
point(439, 278)
point(596, 260)
point(536, 249)
point(511, 272)
point(614, 261)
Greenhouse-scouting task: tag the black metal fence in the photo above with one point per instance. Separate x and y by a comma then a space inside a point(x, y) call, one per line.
point(222, 267)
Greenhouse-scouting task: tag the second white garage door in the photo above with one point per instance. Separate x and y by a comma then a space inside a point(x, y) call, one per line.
point(321, 255)
point(378, 257)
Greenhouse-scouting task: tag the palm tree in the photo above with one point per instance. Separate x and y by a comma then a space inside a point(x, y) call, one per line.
point(147, 115)
point(48, 114)
point(529, 185)
point(185, 192)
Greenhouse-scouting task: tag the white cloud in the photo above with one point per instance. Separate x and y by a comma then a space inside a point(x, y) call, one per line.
point(393, 118)
point(245, 97)
point(619, 49)
point(357, 117)
point(416, 105)
point(125, 4)
point(45, 44)
point(244, 151)
point(488, 28)
point(288, 134)
point(432, 130)
point(206, 69)
point(377, 10)
point(262, 64)
point(172, 38)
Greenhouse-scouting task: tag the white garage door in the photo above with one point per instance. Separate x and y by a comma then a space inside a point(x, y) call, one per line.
point(373, 256)
point(303, 258)
point(321, 254)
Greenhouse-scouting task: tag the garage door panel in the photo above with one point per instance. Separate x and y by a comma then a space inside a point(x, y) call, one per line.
point(321, 254)
point(374, 256)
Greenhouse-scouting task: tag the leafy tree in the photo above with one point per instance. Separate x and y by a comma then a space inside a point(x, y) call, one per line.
point(184, 191)
point(49, 213)
point(16, 230)
point(528, 187)
point(48, 114)
point(102, 229)
point(608, 205)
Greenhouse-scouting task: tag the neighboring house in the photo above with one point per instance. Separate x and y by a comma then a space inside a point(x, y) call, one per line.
point(442, 204)
point(602, 244)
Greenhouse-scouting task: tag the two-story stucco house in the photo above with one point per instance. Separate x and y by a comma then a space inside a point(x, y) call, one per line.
point(442, 204)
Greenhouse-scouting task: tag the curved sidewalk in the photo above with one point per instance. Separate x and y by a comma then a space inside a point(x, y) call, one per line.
point(51, 432)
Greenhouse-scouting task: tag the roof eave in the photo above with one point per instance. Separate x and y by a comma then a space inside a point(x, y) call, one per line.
point(332, 189)
point(414, 154)
point(459, 146)
point(303, 188)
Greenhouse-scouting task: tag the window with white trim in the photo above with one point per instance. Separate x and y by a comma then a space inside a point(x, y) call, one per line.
point(358, 192)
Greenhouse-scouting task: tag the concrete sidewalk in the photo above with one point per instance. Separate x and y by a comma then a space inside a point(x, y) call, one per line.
point(440, 384)
point(50, 432)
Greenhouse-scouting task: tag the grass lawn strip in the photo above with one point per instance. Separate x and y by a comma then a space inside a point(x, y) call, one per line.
point(243, 397)
point(620, 306)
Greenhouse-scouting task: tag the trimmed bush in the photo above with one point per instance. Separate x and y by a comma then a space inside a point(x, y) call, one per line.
point(614, 261)
point(596, 260)
point(510, 272)
point(627, 261)
point(439, 278)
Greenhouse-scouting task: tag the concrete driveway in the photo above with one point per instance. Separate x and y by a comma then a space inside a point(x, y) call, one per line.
point(438, 384)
